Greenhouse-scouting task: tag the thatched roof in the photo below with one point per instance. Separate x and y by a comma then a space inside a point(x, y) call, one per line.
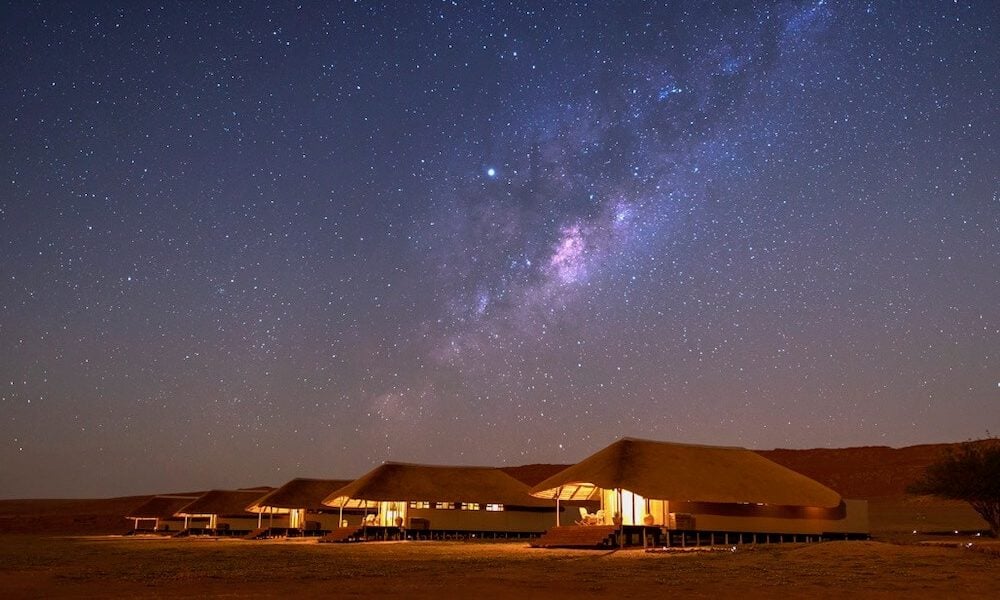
point(222, 502)
point(160, 507)
point(433, 483)
point(687, 472)
point(533, 474)
point(298, 493)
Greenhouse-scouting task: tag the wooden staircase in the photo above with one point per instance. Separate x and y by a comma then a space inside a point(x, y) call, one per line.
point(341, 535)
point(258, 534)
point(582, 536)
point(182, 533)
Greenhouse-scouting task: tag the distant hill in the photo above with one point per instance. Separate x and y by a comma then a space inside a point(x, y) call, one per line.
point(89, 516)
point(74, 517)
point(877, 473)
point(865, 472)
point(881, 475)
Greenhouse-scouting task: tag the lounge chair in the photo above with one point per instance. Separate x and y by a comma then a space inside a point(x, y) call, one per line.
point(590, 518)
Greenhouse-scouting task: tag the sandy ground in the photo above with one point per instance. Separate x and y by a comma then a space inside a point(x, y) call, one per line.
point(35, 567)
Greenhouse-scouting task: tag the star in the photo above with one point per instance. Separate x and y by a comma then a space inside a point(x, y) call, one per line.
point(671, 220)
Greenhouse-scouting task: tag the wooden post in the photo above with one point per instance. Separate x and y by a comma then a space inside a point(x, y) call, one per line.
point(621, 520)
point(558, 493)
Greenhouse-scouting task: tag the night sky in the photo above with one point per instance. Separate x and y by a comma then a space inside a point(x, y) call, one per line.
point(242, 244)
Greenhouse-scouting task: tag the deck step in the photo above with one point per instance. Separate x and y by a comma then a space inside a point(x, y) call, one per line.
point(341, 535)
point(583, 536)
point(257, 534)
point(186, 532)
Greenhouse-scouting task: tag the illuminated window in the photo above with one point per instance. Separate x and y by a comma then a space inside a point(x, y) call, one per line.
point(419, 504)
point(494, 507)
point(470, 506)
point(444, 505)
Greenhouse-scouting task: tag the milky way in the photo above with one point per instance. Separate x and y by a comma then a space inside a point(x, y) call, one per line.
point(246, 244)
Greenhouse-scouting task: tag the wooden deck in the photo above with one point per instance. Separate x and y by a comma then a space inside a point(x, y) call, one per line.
point(342, 535)
point(585, 536)
point(590, 536)
point(258, 534)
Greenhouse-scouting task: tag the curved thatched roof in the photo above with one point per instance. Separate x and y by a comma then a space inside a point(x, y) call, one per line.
point(160, 507)
point(534, 473)
point(222, 502)
point(297, 494)
point(433, 483)
point(686, 472)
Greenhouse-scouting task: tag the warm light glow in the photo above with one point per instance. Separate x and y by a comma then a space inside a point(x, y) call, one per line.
point(631, 506)
point(389, 512)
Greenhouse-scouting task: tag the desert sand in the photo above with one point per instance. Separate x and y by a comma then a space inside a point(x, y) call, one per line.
point(35, 567)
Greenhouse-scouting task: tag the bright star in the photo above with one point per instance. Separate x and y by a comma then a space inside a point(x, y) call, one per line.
point(491, 172)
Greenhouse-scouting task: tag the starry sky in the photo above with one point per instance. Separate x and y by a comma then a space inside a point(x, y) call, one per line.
point(245, 243)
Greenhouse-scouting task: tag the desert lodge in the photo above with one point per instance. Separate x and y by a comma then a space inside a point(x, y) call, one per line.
point(634, 492)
